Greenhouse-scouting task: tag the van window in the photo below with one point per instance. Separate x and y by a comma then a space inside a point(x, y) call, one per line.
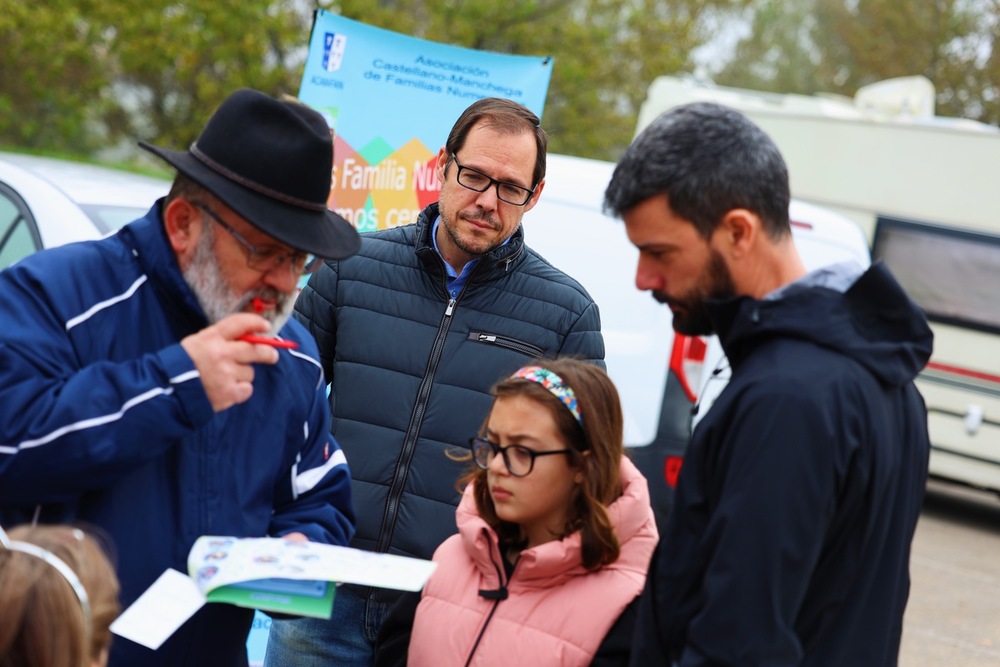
point(951, 273)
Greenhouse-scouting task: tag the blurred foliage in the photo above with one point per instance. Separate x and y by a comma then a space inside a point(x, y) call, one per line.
point(78, 75)
point(837, 46)
point(175, 62)
point(49, 75)
point(606, 51)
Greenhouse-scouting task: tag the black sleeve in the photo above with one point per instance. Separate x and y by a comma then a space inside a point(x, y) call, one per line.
point(393, 641)
point(617, 645)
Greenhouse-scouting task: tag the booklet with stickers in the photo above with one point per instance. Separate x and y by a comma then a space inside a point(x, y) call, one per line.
point(264, 573)
point(270, 574)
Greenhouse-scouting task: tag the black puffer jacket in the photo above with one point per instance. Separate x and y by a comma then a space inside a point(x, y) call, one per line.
point(411, 368)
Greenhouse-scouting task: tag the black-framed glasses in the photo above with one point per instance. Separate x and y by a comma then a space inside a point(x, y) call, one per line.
point(477, 181)
point(268, 258)
point(520, 460)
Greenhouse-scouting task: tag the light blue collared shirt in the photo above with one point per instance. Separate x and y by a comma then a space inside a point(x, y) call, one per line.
point(455, 281)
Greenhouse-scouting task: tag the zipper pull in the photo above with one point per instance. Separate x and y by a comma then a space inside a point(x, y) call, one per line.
point(498, 594)
point(450, 308)
point(487, 338)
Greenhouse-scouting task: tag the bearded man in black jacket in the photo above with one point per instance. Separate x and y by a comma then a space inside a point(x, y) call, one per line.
point(789, 541)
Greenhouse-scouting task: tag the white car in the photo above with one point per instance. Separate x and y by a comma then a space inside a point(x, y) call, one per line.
point(45, 202)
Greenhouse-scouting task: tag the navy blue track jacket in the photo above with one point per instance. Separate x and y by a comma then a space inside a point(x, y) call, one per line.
point(103, 420)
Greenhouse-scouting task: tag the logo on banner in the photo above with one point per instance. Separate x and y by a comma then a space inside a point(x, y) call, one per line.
point(333, 51)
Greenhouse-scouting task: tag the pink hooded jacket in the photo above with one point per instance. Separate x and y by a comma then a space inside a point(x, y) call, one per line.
point(554, 612)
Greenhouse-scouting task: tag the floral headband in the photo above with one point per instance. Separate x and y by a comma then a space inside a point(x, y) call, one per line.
point(556, 386)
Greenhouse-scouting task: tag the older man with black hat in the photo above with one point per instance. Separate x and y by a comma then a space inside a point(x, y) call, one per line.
point(152, 384)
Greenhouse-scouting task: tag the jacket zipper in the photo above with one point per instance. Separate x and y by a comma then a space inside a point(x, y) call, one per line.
point(413, 430)
point(417, 419)
point(509, 343)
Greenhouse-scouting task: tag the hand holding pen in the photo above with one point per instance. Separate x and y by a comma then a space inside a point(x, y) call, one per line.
point(224, 362)
point(258, 307)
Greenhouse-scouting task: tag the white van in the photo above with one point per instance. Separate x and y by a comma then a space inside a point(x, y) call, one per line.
point(661, 376)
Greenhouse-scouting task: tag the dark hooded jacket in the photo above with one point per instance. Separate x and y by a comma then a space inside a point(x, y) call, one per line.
point(789, 542)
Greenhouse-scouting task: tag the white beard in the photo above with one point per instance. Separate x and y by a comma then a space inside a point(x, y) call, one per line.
point(217, 298)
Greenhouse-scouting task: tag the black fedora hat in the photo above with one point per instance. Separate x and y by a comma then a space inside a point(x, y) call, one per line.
point(270, 161)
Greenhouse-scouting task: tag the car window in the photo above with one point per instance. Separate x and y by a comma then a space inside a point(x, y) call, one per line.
point(16, 237)
point(109, 218)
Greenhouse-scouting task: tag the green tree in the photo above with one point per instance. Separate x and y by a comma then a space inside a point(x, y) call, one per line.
point(780, 55)
point(77, 74)
point(606, 51)
point(173, 62)
point(838, 46)
point(49, 75)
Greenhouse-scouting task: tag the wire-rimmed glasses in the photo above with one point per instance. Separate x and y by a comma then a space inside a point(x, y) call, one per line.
point(268, 258)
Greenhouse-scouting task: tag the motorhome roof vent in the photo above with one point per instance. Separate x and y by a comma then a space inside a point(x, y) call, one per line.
point(907, 97)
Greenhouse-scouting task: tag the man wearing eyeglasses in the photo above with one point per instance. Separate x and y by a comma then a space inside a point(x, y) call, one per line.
point(412, 332)
point(151, 383)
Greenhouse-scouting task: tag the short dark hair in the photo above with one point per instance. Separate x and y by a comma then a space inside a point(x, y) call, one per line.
point(708, 159)
point(504, 116)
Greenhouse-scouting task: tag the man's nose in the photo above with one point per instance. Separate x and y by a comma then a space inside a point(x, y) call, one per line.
point(647, 278)
point(282, 278)
point(489, 199)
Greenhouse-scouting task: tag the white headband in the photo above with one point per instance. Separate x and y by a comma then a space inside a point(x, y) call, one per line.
point(58, 563)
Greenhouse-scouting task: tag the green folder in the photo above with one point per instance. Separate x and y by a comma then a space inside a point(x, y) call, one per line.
point(290, 596)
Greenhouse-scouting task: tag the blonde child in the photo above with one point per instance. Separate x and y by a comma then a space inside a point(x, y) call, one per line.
point(58, 597)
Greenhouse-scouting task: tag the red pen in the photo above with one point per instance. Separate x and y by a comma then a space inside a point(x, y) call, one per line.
point(258, 307)
point(267, 340)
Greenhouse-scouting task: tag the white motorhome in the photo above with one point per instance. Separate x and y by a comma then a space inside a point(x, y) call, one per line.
point(924, 189)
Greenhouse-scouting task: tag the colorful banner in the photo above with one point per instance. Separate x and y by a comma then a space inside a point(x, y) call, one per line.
point(391, 100)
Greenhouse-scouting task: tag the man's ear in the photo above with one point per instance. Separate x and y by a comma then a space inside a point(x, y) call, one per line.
point(442, 162)
point(182, 222)
point(534, 198)
point(738, 232)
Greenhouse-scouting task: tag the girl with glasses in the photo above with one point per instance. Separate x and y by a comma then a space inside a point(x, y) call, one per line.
point(555, 535)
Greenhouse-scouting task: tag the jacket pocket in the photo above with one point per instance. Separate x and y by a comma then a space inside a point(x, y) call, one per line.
point(507, 343)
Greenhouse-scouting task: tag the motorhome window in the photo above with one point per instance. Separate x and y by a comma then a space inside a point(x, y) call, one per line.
point(952, 274)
